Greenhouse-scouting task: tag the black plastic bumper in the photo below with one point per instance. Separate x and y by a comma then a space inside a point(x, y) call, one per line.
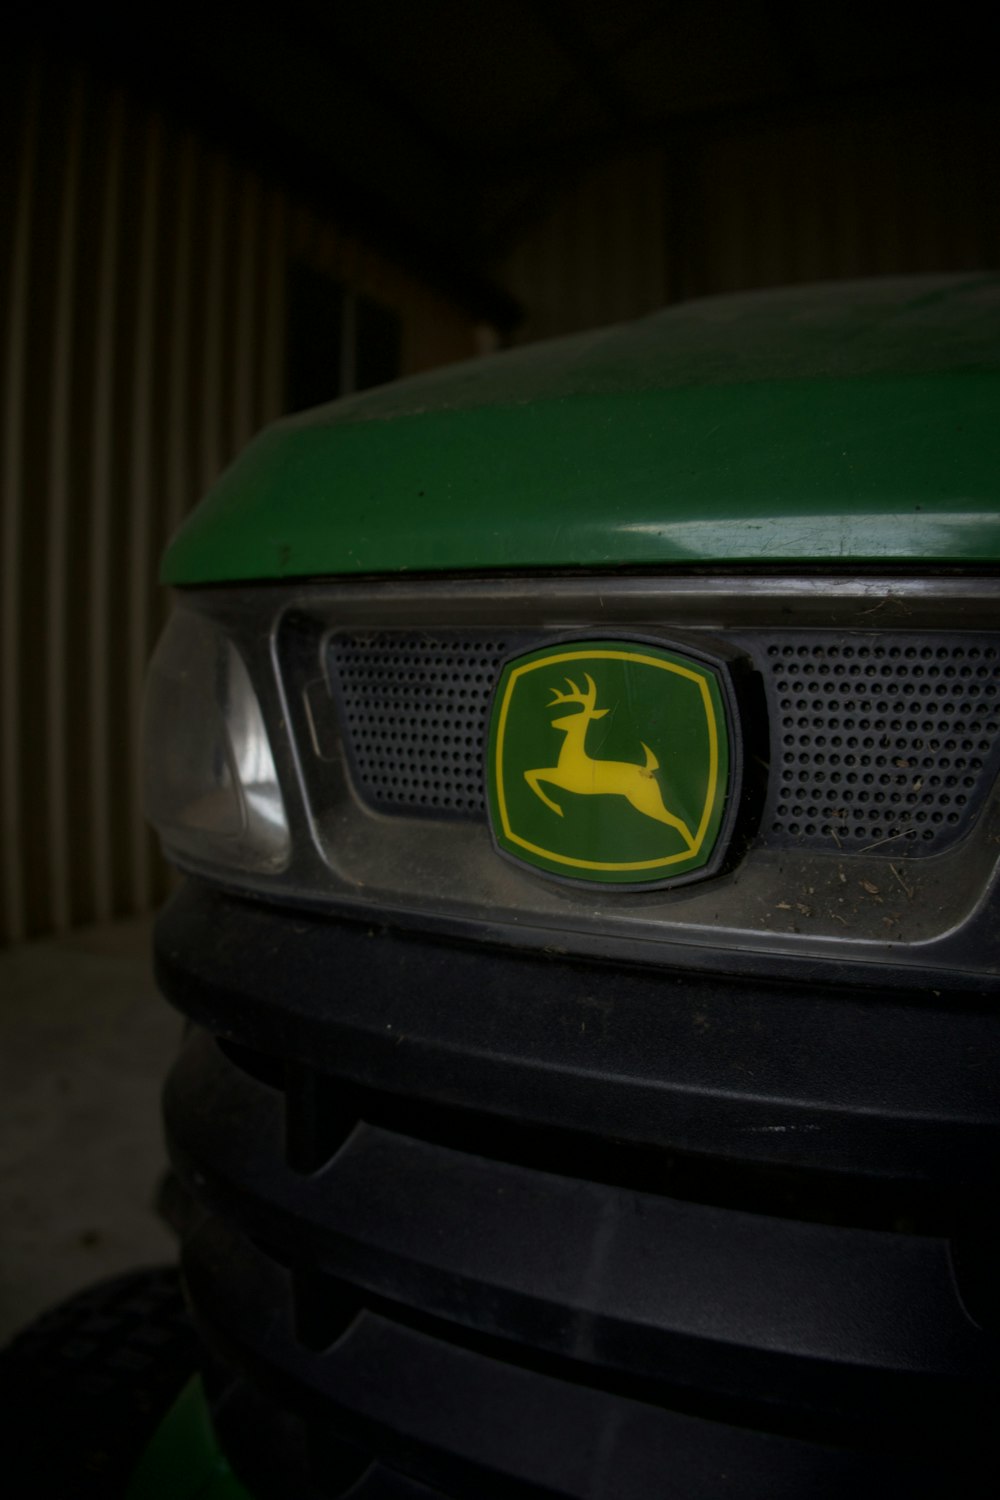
point(471, 1222)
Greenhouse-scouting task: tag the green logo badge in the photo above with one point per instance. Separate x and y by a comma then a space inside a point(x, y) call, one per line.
point(609, 761)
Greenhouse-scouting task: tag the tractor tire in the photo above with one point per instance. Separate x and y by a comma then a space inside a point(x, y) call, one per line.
point(83, 1388)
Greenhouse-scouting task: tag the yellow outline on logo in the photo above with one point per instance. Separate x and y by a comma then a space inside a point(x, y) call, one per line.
point(713, 757)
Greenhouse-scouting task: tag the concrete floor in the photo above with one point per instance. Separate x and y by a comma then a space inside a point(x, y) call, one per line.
point(85, 1042)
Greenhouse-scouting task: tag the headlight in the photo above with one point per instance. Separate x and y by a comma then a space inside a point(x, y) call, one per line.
point(211, 790)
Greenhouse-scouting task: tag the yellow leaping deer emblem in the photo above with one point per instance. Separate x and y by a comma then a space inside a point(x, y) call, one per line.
point(576, 771)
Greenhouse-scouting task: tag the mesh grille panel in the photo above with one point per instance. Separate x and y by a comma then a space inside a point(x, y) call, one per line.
point(881, 737)
point(875, 737)
point(415, 707)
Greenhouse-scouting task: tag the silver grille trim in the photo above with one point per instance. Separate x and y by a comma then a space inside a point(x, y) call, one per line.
point(788, 898)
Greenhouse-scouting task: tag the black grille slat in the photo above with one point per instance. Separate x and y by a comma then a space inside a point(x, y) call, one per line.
point(881, 1089)
point(478, 1424)
point(394, 1281)
point(680, 1292)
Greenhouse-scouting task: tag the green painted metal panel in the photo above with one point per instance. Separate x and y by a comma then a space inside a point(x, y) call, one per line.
point(183, 1461)
point(856, 423)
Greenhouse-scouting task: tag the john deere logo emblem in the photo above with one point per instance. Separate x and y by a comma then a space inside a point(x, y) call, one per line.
point(609, 761)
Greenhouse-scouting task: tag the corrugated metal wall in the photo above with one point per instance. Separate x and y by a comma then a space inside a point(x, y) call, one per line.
point(890, 186)
point(598, 255)
point(142, 308)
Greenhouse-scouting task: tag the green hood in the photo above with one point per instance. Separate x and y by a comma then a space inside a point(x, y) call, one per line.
point(851, 422)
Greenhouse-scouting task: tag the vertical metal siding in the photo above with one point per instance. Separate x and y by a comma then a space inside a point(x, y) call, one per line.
point(14, 401)
point(845, 190)
point(58, 658)
point(597, 255)
point(98, 663)
point(143, 307)
point(141, 512)
point(274, 257)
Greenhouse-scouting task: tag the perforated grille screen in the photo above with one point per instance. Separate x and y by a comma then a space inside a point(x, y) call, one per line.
point(414, 708)
point(877, 739)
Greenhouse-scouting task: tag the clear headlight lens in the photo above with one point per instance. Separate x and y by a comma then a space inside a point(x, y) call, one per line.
point(211, 789)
